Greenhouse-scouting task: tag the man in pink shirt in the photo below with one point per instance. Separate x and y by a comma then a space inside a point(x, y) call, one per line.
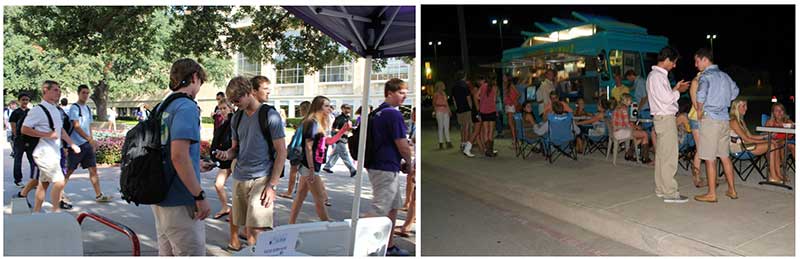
point(663, 100)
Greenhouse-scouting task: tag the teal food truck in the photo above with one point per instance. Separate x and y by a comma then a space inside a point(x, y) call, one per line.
point(586, 52)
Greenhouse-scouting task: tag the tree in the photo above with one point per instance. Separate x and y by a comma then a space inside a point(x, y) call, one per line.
point(124, 51)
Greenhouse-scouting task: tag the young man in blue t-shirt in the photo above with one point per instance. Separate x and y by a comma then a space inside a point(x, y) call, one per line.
point(81, 118)
point(388, 130)
point(179, 217)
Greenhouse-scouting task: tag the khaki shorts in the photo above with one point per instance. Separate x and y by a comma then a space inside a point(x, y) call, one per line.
point(177, 231)
point(49, 168)
point(385, 191)
point(247, 209)
point(306, 171)
point(464, 119)
point(715, 139)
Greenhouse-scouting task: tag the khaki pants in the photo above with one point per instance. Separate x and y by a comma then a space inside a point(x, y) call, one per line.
point(666, 155)
point(178, 233)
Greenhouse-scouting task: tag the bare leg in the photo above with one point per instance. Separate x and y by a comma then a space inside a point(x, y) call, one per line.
point(219, 185)
point(292, 179)
point(318, 192)
point(252, 234)
point(55, 195)
point(302, 191)
point(95, 179)
point(511, 124)
point(727, 165)
point(234, 235)
point(711, 175)
point(40, 193)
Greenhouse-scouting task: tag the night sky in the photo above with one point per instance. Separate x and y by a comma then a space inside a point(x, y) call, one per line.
point(754, 37)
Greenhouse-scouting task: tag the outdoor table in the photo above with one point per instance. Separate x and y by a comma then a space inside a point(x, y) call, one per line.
point(771, 130)
point(581, 118)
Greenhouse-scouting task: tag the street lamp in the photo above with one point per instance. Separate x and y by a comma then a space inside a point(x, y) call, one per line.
point(500, 23)
point(435, 54)
point(711, 38)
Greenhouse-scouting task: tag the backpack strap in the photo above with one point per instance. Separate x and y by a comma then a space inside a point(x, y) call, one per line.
point(49, 117)
point(263, 122)
point(80, 111)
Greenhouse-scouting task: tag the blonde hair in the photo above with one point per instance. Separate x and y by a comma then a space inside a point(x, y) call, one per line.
point(224, 101)
point(315, 113)
point(439, 86)
point(625, 98)
point(738, 117)
point(772, 109)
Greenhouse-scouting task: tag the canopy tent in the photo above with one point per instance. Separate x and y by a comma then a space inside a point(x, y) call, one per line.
point(371, 32)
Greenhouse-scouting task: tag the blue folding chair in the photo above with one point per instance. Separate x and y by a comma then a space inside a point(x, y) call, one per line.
point(686, 151)
point(738, 159)
point(560, 139)
point(764, 119)
point(595, 142)
point(526, 145)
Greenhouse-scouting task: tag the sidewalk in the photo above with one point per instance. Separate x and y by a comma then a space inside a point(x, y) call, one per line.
point(101, 240)
point(619, 202)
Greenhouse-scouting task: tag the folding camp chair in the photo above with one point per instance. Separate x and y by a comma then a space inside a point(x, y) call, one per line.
point(560, 139)
point(595, 143)
point(526, 145)
point(738, 159)
point(686, 151)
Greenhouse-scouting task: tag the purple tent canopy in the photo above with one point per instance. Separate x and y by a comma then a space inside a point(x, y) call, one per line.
point(377, 31)
point(371, 32)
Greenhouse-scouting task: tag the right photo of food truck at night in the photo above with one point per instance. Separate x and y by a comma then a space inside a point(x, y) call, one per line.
point(608, 130)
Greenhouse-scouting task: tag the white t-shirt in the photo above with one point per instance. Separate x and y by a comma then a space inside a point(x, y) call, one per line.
point(37, 120)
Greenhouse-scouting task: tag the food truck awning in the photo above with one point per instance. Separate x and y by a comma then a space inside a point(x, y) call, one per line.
point(607, 34)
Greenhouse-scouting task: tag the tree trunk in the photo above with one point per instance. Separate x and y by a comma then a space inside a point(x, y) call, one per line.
point(100, 98)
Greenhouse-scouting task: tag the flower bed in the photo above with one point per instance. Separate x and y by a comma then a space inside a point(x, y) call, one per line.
point(109, 150)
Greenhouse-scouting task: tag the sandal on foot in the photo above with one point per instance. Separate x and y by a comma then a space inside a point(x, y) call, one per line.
point(704, 198)
point(230, 248)
point(732, 195)
point(400, 232)
point(328, 203)
point(220, 215)
point(284, 195)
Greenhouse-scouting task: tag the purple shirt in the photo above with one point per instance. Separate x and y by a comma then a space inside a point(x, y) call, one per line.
point(387, 127)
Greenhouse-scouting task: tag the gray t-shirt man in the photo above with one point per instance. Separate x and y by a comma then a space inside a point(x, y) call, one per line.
point(253, 159)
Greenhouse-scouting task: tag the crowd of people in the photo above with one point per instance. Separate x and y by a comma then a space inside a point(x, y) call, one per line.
point(647, 113)
point(249, 145)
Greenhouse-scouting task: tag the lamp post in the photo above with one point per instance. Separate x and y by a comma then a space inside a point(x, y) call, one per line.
point(711, 38)
point(500, 22)
point(435, 56)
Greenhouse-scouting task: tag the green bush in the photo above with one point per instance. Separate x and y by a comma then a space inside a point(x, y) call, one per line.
point(207, 120)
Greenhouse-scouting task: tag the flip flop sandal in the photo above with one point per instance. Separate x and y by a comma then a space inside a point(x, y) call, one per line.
point(230, 248)
point(287, 196)
point(328, 203)
point(220, 215)
point(399, 232)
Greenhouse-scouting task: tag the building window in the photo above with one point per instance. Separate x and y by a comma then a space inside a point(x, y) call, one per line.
point(395, 68)
point(291, 75)
point(246, 68)
point(336, 73)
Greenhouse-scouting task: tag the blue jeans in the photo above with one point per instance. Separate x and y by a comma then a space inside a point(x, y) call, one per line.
point(340, 150)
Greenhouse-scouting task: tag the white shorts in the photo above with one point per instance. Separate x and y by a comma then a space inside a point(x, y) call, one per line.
point(49, 167)
point(510, 109)
point(622, 133)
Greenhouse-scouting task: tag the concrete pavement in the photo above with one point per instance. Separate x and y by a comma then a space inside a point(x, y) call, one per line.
point(101, 240)
point(617, 202)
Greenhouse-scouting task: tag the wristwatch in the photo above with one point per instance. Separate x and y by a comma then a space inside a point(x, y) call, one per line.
point(201, 196)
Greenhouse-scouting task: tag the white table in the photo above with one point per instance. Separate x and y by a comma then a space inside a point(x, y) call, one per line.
point(771, 130)
point(581, 118)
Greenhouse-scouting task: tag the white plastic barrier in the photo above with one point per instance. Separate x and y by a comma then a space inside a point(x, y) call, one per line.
point(42, 234)
point(332, 238)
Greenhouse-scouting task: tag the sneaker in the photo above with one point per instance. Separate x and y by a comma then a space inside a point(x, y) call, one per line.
point(327, 170)
point(102, 198)
point(353, 173)
point(64, 205)
point(19, 184)
point(441, 146)
point(396, 251)
point(468, 154)
point(679, 199)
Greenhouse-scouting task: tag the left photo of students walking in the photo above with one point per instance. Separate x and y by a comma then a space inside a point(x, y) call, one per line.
point(608, 130)
point(209, 130)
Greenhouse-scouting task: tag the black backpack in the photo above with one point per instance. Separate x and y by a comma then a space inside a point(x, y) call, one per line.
point(263, 122)
point(143, 179)
point(30, 142)
point(352, 143)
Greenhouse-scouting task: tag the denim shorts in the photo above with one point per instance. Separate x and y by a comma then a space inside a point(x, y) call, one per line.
point(694, 124)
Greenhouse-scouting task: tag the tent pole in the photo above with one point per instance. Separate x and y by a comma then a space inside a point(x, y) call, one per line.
point(362, 146)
